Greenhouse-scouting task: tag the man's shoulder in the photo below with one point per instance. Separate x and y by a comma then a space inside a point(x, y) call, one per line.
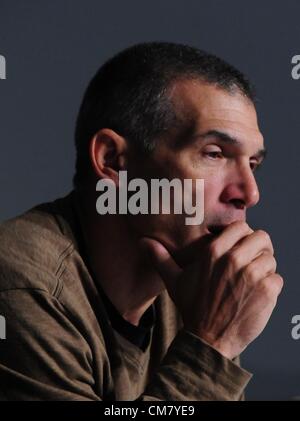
point(32, 249)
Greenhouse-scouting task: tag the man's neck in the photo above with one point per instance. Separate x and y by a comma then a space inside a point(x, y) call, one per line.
point(119, 265)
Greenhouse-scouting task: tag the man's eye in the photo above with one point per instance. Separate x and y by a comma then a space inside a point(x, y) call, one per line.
point(214, 154)
point(254, 166)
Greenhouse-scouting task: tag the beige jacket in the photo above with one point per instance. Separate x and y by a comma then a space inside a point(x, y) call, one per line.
point(59, 342)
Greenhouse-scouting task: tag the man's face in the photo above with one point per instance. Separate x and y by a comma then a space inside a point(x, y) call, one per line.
point(217, 140)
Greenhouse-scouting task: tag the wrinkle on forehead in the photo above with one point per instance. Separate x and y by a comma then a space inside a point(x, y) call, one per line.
point(235, 129)
point(206, 106)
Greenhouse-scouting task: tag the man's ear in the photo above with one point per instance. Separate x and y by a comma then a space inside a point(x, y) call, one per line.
point(108, 154)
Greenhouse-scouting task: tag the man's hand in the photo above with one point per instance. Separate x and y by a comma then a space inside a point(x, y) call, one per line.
point(227, 295)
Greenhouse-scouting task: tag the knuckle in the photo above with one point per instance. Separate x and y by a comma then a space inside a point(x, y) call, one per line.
point(251, 274)
point(269, 262)
point(271, 286)
point(279, 281)
point(266, 239)
point(274, 262)
point(234, 259)
point(264, 235)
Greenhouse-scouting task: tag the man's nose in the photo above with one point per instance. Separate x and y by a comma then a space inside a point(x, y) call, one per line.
point(241, 190)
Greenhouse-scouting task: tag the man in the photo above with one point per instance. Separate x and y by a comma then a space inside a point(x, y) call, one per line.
point(124, 307)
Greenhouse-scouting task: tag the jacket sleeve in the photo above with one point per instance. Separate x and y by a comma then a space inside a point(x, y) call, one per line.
point(192, 370)
point(45, 357)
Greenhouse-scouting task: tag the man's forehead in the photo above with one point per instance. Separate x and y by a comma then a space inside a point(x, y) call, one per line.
point(213, 108)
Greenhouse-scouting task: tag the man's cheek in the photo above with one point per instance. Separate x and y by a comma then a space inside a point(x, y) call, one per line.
point(212, 192)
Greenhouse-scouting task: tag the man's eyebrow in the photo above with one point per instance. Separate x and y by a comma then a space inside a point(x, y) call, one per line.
point(227, 138)
point(219, 134)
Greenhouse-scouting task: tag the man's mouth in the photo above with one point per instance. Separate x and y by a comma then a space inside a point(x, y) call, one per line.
point(216, 229)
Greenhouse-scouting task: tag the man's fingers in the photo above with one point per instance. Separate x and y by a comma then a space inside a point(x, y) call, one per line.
point(252, 246)
point(260, 268)
point(223, 242)
point(163, 262)
point(267, 292)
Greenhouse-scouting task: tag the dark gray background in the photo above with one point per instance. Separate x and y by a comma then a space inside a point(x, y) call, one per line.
point(53, 48)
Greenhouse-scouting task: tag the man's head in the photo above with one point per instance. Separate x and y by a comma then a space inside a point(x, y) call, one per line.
point(167, 110)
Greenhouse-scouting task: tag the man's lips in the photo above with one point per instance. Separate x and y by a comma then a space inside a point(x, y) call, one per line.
point(216, 229)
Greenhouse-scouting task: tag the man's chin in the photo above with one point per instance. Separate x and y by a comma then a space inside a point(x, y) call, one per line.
point(191, 251)
point(172, 249)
